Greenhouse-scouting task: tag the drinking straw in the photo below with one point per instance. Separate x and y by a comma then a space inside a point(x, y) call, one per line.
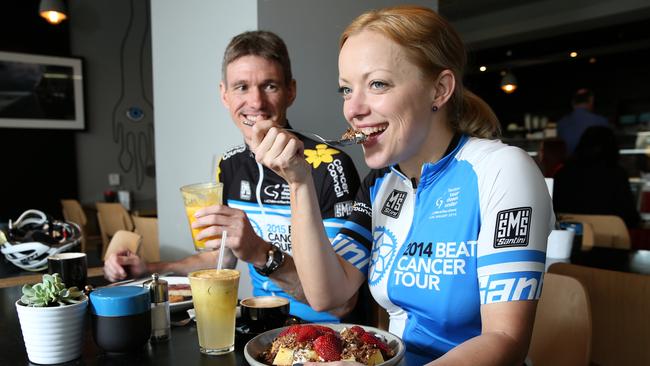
point(221, 249)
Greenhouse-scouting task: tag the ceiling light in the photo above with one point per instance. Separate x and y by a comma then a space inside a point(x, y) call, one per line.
point(592, 60)
point(573, 54)
point(509, 83)
point(54, 11)
point(482, 68)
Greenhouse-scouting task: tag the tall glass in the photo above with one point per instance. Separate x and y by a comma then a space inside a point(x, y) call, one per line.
point(214, 293)
point(198, 196)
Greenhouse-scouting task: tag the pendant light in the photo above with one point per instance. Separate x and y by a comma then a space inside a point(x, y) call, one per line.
point(54, 11)
point(509, 83)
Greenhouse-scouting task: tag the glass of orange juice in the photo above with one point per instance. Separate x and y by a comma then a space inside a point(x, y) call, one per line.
point(198, 196)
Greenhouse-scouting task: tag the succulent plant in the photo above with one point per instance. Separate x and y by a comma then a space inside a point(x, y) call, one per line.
point(50, 292)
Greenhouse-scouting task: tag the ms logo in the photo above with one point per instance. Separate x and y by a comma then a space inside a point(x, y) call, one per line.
point(384, 248)
point(512, 227)
point(322, 154)
point(393, 204)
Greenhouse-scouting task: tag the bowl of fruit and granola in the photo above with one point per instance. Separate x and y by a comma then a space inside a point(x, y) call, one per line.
point(323, 343)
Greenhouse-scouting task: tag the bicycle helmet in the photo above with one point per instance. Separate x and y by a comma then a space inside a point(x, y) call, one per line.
point(33, 237)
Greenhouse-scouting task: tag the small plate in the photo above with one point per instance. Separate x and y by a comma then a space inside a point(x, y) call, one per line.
point(261, 342)
point(171, 280)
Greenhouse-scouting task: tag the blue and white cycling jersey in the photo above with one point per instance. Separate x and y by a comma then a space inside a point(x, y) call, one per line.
point(264, 196)
point(473, 232)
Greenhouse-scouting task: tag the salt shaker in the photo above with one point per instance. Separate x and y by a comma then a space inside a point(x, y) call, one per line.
point(159, 293)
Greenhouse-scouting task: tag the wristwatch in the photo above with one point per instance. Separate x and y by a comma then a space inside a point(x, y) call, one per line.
point(274, 259)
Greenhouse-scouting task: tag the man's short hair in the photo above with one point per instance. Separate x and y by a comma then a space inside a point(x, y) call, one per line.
point(258, 43)
point(582, 96)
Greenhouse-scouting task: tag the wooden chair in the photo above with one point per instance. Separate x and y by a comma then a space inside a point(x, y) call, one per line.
point(609, 230)
point(111, 218)
point(72, 211)
point(562, 330)
point(123, 240)
point(620, 303)
point(147, 227)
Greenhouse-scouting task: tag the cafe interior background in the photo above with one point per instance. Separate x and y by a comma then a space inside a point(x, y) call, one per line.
point(162, 59)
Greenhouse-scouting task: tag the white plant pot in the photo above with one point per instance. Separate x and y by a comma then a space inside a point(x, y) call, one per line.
point(53, 334)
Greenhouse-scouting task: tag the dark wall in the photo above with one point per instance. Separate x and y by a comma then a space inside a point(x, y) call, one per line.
point(619, 81)
point(38, 166)
point(547, 77)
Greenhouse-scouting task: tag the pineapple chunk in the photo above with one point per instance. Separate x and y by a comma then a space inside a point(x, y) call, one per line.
point(349, 358)
point(284, 357)
point(375, 359)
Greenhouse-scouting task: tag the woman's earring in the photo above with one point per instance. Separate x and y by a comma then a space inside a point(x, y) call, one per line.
point(434, 108)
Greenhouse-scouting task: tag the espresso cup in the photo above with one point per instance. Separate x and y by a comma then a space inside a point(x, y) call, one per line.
point(72, 267)
point(264, 313)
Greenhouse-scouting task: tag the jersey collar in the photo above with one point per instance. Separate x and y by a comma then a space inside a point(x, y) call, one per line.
point(430, 170)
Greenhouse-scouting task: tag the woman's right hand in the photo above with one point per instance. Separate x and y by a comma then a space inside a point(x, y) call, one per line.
point(280, 151)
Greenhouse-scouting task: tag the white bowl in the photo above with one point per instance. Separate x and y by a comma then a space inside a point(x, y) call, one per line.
point(262, 342)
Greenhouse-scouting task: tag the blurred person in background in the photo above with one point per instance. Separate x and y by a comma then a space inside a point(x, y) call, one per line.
point(593, 182)
point(571, 127)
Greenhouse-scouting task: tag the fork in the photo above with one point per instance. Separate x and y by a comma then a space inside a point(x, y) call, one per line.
point(358, 138)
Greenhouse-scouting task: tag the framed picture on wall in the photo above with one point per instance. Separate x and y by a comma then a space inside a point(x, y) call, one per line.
point(41, 92)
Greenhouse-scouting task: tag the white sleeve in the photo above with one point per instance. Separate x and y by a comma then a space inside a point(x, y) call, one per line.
point(516, 219)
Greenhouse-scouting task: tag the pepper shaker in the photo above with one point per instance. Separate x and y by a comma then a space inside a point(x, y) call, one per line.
point(159, 293)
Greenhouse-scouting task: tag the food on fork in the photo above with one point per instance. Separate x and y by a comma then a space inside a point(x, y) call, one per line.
point(355, 135)
point(317, 343)
point(180, 292)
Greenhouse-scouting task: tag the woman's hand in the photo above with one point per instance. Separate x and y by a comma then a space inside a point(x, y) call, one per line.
point(280, 151)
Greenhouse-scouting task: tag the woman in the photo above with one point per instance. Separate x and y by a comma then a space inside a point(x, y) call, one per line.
point(449, 227)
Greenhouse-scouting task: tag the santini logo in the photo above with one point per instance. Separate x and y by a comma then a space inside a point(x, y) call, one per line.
point(512, 228)
point(393, 204)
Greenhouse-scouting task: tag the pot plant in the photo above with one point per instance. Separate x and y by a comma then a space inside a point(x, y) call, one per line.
point(52, 320)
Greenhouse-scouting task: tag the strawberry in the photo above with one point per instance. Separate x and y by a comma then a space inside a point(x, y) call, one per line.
point(290, 330)
point(307, 333)
point(323, 329)
point(368, 338)
point(357, 330)
point(328, 347)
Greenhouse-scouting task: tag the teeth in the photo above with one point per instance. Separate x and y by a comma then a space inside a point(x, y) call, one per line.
point(250, 120)
point(375, 129)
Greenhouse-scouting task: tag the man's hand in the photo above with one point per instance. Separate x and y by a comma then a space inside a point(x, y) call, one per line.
point(242, 240)
point(123, 264)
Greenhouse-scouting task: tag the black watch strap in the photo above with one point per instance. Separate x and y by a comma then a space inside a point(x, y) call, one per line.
point(274, 259)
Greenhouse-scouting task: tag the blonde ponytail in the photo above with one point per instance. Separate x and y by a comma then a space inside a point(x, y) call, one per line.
point(475, 117)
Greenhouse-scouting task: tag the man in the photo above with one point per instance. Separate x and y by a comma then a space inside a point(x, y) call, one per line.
point(571, 127)
point(257, 85)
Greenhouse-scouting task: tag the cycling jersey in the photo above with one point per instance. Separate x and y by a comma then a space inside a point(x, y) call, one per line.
point(472, 232)
point(265, 198)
